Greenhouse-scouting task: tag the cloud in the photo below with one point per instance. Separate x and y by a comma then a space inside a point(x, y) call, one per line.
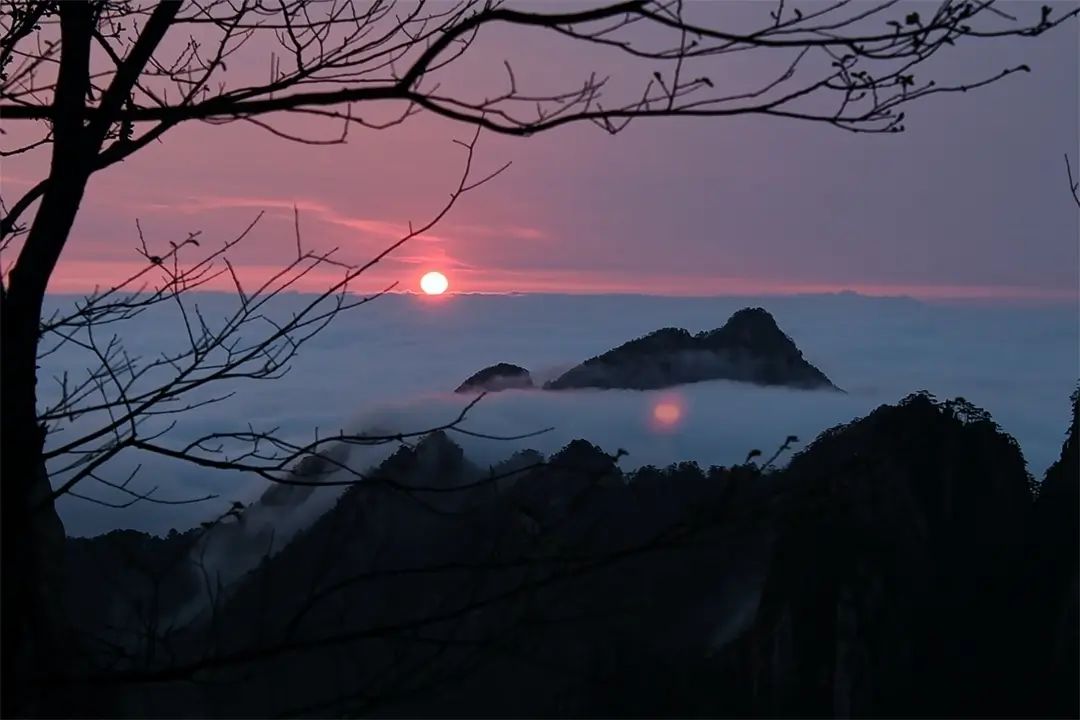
point(393, 363)
point(501, 231)
point(307, 208)
point(439, 258)
point(323, 212)
point(426, 248)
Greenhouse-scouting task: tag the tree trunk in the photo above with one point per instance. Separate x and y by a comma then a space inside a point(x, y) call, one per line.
point(31, 533)
point(32, 648)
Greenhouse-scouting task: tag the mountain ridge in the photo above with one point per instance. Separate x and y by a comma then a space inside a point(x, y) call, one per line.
point(750, 347)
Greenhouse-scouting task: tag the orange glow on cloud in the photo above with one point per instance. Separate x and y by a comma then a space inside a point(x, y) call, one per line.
point(667, 414)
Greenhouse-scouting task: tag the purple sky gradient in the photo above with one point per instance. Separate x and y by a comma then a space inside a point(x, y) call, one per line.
point(971, 201)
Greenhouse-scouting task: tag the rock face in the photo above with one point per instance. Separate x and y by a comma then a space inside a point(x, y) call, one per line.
point(494, 378)
point(894, 569)
point(748, 348)
point(1052, 603)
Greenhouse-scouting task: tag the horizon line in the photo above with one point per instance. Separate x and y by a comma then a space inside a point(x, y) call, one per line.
point(974, 294)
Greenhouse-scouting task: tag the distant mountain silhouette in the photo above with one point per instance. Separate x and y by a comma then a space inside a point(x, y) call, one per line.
point(750, 347)
point(502, 376)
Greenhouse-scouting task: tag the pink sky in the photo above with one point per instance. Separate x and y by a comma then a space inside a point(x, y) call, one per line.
point(971, 202)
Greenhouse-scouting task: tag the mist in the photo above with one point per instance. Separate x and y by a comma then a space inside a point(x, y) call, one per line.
point(391, 366)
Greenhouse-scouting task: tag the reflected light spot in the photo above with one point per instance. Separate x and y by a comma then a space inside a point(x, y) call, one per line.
point(667, 413)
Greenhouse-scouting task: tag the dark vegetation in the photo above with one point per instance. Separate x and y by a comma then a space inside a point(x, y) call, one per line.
point(903, 564)
point(750, 347)
point(501, 376)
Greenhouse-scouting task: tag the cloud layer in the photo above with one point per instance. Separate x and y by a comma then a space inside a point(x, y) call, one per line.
point(393, 364)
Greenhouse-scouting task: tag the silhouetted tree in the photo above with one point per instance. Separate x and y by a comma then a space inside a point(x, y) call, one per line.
point(102, 80)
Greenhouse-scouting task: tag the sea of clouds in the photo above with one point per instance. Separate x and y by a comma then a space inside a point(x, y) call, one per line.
point(392, 365)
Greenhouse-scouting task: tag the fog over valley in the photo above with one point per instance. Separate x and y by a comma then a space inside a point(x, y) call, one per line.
point(392, 365)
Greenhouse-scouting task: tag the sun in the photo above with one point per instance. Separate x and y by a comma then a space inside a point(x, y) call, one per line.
point(434, 283)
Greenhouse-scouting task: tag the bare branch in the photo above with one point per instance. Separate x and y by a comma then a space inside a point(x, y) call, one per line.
point(1074, 186)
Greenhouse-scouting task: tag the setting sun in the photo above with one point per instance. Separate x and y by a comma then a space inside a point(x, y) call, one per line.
point(434, 283)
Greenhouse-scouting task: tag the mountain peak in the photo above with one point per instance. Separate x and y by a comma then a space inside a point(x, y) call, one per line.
point(501, 376)
point(750, 347)
point(752, 329)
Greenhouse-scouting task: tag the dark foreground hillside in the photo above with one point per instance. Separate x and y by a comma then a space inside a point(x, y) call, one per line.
point(900, 565)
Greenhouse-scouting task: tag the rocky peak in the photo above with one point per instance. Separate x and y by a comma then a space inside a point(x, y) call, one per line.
point(662, 340)
point(754, 330)
point(501, 376)
point(750, 347)
point(438, 451)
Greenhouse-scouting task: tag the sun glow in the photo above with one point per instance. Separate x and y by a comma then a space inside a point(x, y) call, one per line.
point(667, 414)
point(434, 283)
